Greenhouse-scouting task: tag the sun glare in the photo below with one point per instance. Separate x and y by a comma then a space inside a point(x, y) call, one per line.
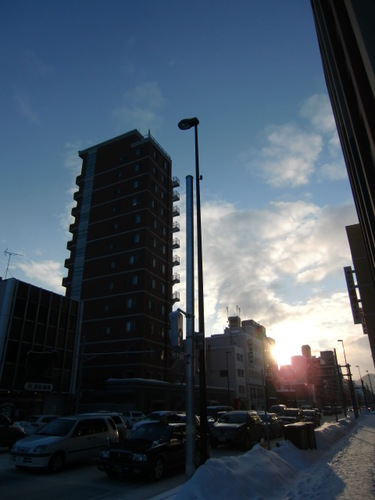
point(282, 354)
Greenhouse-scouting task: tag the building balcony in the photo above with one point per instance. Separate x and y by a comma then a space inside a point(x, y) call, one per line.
point(176, 243)
point(175, 182)
point(176, 196)
point(74, 211)
point(175, 278)
point(68, 262)
point(176, 227)
point(76, 195)
point(176, 260)
point(175, 297)
point(70, 245)
point(175, 211)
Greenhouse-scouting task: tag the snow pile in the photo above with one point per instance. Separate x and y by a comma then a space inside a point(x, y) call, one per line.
point(260, 473)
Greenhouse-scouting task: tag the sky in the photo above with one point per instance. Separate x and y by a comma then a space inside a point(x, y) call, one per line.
point(340, 467)
point(275, 195)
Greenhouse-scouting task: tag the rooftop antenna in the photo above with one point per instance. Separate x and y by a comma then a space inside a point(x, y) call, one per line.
point(7, 252)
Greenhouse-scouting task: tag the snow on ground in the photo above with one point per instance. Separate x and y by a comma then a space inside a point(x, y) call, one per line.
point(341, 467)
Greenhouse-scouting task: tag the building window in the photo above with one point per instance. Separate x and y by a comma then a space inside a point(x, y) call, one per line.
point(223, 373)
point(112, 265)
point(136, 184)
point(115, 226)
point(107, 330)
point(136, 202)
point(110, 286)
point(152, 282)
point(240, 373)
point(136, 238)
point(137, 219)
point(130, 326)
point(130, 303)
point(133, 259)
point(134, 280)
point(137, 167)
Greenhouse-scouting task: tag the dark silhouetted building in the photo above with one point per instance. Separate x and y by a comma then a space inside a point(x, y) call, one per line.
point(346, 36)
point(121, 259)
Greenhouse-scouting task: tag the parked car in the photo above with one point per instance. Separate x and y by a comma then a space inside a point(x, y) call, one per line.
point(312, 416)
point(165, 416)
point(237, 428)
point(9, 432)
point(132, 416)
point(278, 409)
point(35, 422)
point(292, 415)
point(64, 440)
point(117, 418)
point(217, 411)
point(150, 449)
point(273, 424)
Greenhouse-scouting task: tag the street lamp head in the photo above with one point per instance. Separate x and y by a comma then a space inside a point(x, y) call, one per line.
point(340, 341)
point(187, 123)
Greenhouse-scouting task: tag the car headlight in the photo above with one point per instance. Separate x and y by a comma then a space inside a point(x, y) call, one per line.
point(40, 449)
point(104, 454)
point(139, 457)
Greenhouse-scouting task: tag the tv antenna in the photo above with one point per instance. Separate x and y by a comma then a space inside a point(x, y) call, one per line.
point(9, 254)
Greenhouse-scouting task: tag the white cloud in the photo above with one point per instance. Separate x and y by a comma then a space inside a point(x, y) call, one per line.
point(289, 156)
point(46, 274)
point(27, 110)
point(141, 108)
point(317, 109)
point(278, 264)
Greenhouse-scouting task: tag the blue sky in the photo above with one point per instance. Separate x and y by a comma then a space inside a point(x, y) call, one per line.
point(275, 194)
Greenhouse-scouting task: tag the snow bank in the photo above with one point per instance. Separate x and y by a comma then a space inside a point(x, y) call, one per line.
point(260, 473)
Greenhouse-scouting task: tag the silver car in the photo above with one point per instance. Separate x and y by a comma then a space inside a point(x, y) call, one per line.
point(64, 440)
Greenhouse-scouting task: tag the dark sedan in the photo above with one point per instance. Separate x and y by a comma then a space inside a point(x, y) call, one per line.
point(9, 433)
point(237, 428)
point(150, 449)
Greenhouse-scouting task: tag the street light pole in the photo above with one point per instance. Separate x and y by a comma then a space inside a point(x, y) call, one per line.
point(372, 392)
point(363, 386)
point(351, 387)
point(186, 124)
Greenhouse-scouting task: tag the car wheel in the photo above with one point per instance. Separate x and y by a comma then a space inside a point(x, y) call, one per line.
point(157, 469)
point(57, 461)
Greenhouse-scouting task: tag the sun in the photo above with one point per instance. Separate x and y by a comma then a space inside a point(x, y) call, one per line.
point(282, 355)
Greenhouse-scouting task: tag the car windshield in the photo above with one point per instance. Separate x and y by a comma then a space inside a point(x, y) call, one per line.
point(58, 427)
point(290, 413)
point(152, 433)
point(233, 418)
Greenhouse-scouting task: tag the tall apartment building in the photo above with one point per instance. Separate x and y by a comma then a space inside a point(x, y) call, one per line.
point(346, 36)
point(121, 259)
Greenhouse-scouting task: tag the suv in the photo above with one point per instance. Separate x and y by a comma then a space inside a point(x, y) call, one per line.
point(63, 440)
point(150, 449)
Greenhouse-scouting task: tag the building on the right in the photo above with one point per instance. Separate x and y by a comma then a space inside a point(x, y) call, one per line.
point(346, 36)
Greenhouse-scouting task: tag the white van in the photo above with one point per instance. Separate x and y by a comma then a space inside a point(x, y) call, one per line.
point(64, 440)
